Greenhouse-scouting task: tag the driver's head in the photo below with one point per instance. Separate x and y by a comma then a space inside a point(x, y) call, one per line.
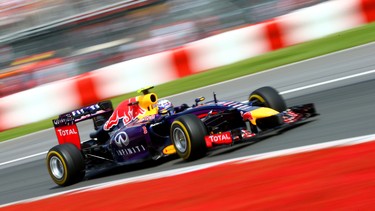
point(165, 107)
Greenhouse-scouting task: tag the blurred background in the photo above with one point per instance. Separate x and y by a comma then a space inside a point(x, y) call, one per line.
point(43, 40)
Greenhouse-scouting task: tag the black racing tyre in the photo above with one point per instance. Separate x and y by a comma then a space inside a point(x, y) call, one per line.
point(65, 164)
point(187, 134)
point(268, 97)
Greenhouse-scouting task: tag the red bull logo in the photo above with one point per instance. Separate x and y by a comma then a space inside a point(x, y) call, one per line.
point(125, 113)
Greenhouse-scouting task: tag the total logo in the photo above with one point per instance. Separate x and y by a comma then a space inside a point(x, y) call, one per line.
point(121, 139)
point(220, 137)
point(67, 132)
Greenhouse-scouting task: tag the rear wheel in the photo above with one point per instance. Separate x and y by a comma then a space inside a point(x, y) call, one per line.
point(65, 164)
point(187, 135)
point(268, 97)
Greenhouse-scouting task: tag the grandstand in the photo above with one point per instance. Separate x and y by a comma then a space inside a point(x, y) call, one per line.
point(89, 34)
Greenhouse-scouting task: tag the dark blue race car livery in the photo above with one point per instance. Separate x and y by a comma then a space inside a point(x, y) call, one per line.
point(137, 130)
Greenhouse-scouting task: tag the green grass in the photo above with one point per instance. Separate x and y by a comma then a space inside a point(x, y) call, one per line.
point(336, 42)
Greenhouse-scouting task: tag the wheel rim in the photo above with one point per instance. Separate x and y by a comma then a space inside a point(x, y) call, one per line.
point(257, 100)
point(57, 168)
point(180, 140)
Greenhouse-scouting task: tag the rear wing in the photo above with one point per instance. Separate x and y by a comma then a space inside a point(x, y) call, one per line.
point(66, 124)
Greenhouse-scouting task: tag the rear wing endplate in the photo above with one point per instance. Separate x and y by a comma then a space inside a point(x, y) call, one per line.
point(66, 124)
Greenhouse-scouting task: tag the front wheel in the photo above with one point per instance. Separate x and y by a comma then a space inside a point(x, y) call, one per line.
point(65, 164)
point(187, 135)
point(268, 97)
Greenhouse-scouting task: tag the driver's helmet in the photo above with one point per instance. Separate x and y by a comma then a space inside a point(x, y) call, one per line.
point(165, 107)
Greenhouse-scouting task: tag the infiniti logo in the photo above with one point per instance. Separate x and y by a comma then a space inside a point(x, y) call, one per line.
point(122, 139)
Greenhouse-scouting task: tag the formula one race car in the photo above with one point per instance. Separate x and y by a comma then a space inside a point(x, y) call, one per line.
point(139, 130)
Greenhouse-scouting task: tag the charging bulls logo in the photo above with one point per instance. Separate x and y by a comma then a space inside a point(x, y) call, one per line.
point(124, 113)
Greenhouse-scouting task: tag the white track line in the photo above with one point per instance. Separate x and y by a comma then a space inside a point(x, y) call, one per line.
point(283, 92)
point(23, 158)
point(283, 66)
point(175, 172)
point(328, 82)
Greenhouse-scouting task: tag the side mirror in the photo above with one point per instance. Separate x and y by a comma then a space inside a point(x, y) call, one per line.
point(199, 99)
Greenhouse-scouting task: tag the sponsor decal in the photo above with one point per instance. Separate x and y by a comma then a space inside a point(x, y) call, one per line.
point(247, 134)
point(124, 113)
point(60, 121)
point(131, 150)
point(229, 103)
point(236, 105)
point(67, 132)
point(247, 116)
point(122, 139)
point(155, 124)
point(64, 120)
point(148, 118)
point(217, 139)
point(89, 109)
point(144, 130)
point(78, 112)
point(244, 107)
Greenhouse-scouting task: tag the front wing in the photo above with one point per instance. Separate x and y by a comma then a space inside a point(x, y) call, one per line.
point(265, 126)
